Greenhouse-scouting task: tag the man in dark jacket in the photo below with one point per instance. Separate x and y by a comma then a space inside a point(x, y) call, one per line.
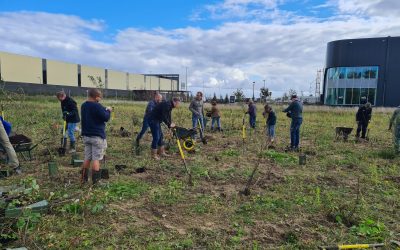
point(295, 112)
point(161, 113)
point(363, 116)
point(94, 118)
point(71, 115)
point(150, 106)
point(252, 111)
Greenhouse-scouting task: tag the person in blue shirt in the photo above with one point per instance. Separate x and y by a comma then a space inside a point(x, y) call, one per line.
point(93, 121)
point(5, 130)
point(295, 112)
point(150, 106)
point(252, 111)
point(161, 114)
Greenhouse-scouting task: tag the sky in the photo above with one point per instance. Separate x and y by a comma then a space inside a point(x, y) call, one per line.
point(223, 44)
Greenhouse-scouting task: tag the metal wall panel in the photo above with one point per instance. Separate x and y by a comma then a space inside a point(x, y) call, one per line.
point(18, 68)
point(165, 84)
point(116, 80)
point(61, 73)
point(136, 82)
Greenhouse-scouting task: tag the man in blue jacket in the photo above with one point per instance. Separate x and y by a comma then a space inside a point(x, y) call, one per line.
point(252, 111)
point(161, 113)
point(70, 112)
point(5, 130)
point(150, 106)
point(94, 118)
point(295, 112)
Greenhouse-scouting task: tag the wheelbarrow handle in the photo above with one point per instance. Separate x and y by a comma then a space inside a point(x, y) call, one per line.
point(37, 144)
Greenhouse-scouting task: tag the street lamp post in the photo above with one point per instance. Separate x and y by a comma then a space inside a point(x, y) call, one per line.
point(253, 90)
point(264, 84)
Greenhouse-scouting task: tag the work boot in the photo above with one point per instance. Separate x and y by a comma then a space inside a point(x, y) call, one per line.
point(18, 170)
point(72, 147)
point(96, 176)
point(161, 152)
point(154, 154)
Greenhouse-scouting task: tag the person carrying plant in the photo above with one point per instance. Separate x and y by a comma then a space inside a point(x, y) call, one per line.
point(363, 117)
point(395, 123)
point(215, 116)
point(295, 112)
point(252, 112)
point(196, 107)
point(271, 122)
point(150, 106)
point(161, 114)
point(94, 118)
point(70, 113)
point(5, 130)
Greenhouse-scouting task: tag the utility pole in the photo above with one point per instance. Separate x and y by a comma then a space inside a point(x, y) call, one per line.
point(186, 84)
point(253, 90)
point(264, 84)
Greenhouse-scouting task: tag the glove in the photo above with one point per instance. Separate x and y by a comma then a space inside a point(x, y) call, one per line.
point(65, 114)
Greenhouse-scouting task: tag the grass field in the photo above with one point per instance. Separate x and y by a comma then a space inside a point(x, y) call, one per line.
point(347, 192)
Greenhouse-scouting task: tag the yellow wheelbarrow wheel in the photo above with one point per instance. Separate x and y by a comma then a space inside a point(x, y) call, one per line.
point(188, 144)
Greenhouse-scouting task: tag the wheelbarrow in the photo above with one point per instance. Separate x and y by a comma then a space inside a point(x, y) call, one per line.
point(22, 145)
point(343, 133)
point(187, 136)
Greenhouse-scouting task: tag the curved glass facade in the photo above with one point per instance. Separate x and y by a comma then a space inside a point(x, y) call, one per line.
point(349, 85)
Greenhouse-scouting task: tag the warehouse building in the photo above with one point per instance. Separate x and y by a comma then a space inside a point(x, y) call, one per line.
point(363, 69)
point(44, 76)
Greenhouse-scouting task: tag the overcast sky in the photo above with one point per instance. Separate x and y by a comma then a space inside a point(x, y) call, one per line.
point(225, 44)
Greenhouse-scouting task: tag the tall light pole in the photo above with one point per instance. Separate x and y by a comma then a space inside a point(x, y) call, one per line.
point(253, 90)
point(264, 84)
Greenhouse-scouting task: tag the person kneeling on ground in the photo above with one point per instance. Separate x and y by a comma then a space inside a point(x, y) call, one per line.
point(271, 122)
point(215, 116)
point(395, 123)
point(363, 117)
point(161, 113)
point(150, 106)
point(5, 130)
point(295, 112)
point(71, 116)
point(94, 118)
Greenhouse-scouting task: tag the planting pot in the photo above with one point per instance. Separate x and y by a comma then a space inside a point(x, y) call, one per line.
point(74, 157)
point(53, 168)
point(140, 170)
point(77, 163)
point(38, 207)
point(302, 159)
point(4, 173)
point(120, 167)
point(104, 173)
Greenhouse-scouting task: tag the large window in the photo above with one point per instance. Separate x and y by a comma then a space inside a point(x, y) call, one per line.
point(351, 85)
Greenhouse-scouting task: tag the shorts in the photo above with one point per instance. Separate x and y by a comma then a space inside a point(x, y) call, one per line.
point(95, 148)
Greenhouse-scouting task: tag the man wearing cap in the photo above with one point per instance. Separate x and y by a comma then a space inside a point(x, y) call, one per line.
point(395, 123)
point(295, 112)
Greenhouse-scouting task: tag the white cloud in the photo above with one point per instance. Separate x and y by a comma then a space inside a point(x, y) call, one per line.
point(231, 55)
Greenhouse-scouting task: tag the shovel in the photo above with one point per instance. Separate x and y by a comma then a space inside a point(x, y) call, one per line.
point(246, 190)
point(183, 159)
point(203, 140)
point(63, 148)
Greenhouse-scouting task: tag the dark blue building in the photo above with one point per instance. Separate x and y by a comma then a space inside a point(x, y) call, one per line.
point(358, 69)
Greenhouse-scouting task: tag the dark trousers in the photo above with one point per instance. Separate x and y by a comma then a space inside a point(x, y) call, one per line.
point(145, 126)
point(157, 134)
point(295, 132)
point(362, 127)
point(252, 121)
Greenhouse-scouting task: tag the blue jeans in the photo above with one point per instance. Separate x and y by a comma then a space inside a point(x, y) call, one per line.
point(195, 119)
point(216, 120)
point(271, 131)
point(70, 131)
point(295, 132)
point(145, 126)
point(157, 134)
point(252, 121)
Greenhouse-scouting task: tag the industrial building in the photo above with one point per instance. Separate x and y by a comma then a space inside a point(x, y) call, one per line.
point(359, 69)
point(43, 76)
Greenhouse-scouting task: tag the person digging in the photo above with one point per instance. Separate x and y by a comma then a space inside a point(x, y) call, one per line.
point(161, 114)
point(70, 112)
point(94, 118)
point(295, 112)
point(5, 130)
point(150, 106)
point(395, 124)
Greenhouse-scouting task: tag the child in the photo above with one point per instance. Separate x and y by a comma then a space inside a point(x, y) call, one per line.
point(215, 115)
point(94, 117)
point(271, 121)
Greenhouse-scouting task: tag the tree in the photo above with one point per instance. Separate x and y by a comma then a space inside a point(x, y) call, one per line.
point(214, 97)
point(292, 92)
point(264, 93)
point(239, 95)
point(97, 82)
point(226, 100)
point(285, 97)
